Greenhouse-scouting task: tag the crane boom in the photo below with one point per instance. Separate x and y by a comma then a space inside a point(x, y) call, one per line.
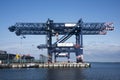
point(60, 28)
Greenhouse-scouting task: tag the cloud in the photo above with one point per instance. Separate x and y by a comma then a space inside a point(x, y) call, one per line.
point(94, 52)
point(105, 48)
point(26, 48)
point(102, 52)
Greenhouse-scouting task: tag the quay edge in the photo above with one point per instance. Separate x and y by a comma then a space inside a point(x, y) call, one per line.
point(46, 65)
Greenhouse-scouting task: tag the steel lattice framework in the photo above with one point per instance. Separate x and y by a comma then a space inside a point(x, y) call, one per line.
point(67, 30)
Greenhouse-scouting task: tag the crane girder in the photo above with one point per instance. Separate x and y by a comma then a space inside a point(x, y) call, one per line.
point(60, 28)
point(44, 33)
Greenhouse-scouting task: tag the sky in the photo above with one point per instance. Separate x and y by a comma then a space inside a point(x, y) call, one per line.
point(97, 48)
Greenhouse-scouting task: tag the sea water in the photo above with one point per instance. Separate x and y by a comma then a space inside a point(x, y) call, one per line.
point(97, 71)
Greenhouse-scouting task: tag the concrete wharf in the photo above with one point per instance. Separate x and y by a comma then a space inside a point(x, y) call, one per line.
point(46, 65)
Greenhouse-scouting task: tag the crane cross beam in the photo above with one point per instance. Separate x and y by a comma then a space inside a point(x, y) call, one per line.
point(60, 28)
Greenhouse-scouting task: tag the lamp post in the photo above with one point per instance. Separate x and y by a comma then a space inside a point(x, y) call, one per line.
point(22, 37)
point(8, 59)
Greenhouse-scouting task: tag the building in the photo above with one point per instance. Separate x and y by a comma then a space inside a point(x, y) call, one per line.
point(6, 57)
point(11, 58)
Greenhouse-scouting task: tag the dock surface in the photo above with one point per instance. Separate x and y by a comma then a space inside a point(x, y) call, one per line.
point(46, 65)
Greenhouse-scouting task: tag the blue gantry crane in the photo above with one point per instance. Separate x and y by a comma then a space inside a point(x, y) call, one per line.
point(67, 30)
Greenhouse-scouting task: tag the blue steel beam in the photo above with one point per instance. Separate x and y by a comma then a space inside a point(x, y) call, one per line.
point(60, 28)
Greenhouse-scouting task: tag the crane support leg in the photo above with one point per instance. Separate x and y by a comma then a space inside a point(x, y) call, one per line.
point(49, 40)
point(49, 43)
point(79, 47)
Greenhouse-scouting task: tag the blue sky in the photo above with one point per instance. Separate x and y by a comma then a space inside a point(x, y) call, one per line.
point(96, 48)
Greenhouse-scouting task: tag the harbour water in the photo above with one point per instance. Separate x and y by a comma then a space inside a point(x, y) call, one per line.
point(98, 71)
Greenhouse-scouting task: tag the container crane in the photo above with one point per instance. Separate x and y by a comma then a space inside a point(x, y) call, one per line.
point(67, 30)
